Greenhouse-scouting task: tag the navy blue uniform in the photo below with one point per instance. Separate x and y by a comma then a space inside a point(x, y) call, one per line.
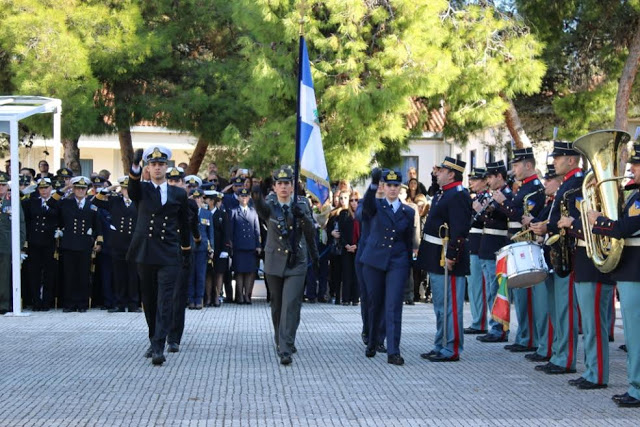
point(245, 232)
point(451, 206)
point(386, 259)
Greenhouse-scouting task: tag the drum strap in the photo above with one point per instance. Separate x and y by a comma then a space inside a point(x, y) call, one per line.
point(494, 232)
point(632, 241)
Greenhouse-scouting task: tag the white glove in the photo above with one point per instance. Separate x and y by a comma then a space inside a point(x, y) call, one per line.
point(224, 255)
point(23, 256)
point(57, 234)
point(89, 232)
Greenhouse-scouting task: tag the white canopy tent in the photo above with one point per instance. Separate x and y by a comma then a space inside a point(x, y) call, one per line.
point(12, 110)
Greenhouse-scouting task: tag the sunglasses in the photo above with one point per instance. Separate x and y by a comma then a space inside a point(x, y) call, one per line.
point(353, 200)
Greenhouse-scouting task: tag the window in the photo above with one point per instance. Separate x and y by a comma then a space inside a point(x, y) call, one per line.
point(408, 162)
point(472, 159)
point(86, 166)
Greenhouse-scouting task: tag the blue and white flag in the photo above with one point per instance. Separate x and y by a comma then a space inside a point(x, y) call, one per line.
point(312, 163)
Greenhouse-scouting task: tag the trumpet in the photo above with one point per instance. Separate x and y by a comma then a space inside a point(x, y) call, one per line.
point(520, 236)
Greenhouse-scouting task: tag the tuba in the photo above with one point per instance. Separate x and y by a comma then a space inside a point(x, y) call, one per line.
point(601, 192)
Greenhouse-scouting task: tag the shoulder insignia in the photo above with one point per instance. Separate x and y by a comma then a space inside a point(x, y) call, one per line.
point(578, 200)
point(507, 190)
point(579, 175)
point(634, 209)
point(94, 208)
point(536, 182)
point(459, 188)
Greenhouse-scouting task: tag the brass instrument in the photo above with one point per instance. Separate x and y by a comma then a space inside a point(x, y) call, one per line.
point(561, 246)
point(526, 235)
point(604, 149)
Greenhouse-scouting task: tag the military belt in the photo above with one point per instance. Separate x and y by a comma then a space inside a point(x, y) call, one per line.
point(432, 239)
point(475, 230)
point(514, 224)
point(632, 241)
point(494, 232)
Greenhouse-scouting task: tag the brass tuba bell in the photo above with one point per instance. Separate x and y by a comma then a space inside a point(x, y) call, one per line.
point(601, 191)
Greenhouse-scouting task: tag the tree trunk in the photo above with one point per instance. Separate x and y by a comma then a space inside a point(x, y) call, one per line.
point(511, 119)
point(126, 148)
point(626, 82)
point(197, 156)
point(72, 154)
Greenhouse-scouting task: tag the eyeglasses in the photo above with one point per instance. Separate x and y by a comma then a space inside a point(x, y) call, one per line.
point(353, 200)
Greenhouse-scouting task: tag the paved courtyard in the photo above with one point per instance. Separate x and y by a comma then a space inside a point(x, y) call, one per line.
point(87, 369)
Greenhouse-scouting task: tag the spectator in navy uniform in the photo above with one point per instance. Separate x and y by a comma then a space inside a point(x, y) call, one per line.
point(245, 232)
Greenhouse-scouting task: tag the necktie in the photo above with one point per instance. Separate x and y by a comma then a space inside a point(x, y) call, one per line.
point(159, 192)
point(79, 204)
point(127, 202)
point(285, 210)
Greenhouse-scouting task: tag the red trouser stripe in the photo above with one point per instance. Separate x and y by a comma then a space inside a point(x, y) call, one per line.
point(549, 337)
point(570, 313)
point(454, 310)
point(530, 316)
point(483, 322)
point(598, 332)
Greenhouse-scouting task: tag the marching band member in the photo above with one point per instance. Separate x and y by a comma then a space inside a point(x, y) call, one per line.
point(626, 275)
point(530, 192)
point(494, 237)
point(386, 260)
point(543, 308)
point(476, 286)
point(447, 224)
point(565, 327)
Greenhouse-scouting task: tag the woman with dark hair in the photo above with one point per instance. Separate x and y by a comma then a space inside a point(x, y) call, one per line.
point(349, 233)
point(335, 264)
point(245, 241)
point(413, 190)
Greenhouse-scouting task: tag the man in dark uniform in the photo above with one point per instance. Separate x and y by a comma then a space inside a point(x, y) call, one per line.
point(221, 244)
point(565, 327)
point(386, 260)
point(542, 304)
point(476, 286)
point(42, 219)
point(157, 244)
point(81, 235)
point(531, 192)
point(448, 218)
point(494, 237)
point(627, 276)
point(285, 265)
point(123, 216)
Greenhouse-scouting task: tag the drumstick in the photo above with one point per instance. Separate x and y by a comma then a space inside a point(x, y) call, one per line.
point(528, 230)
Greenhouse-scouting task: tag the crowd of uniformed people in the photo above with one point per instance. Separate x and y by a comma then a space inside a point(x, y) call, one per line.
point(164, 241)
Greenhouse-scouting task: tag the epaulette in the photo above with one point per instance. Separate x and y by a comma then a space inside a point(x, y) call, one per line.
point(536, 182)
point(459, 188)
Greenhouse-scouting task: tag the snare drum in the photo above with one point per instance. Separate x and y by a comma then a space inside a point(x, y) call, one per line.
point(525, 264)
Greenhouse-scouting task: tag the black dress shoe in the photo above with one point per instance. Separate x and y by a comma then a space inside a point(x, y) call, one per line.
point(322, 300)
point(173, 347)
point(135, 309)
point(370, 352)
point(558, 370)
point(68, 310)
point(158, 359)
point(285, 359)
point(491, 338)
point(354, 303)
point(574, 382)
point(294, 350)
point(116, 310)
point(628, 402)
point(617, 397)
point(535, 357)
point(623, 347)
point(588, 385)
point(441, 358)
point(512, 346)
point(380, 348)
point(544, 367)
point(148, 353)
point(428, 355)
point(395, 359)
point(517, 348)
point(473, 331)
point(409, 302)
point(312, 301)
point(82, 310)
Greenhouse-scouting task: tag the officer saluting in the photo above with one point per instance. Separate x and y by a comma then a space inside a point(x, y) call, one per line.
point(161, 234)
point(123, 215)
point(286, 269)
point(386, 260)
point(447, 224)
point(627, 275)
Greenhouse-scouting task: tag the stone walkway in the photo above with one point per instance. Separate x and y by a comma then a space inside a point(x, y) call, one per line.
point(87, 370)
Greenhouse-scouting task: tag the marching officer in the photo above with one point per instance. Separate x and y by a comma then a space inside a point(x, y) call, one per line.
point(8, 206)
point(81, 236)
point(476, 286)
point(447, 224)
point(627, 275)
point(531, 192)
point(42, 219)
point(494, 237)
point(285, 265)
point(386, 260)
point(157, 243)
point(221, 243)
point(542, 304)
point(123, 216)
point(565, 327)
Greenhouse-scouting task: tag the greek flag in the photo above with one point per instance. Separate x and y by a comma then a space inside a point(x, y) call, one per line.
point(312, 163)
